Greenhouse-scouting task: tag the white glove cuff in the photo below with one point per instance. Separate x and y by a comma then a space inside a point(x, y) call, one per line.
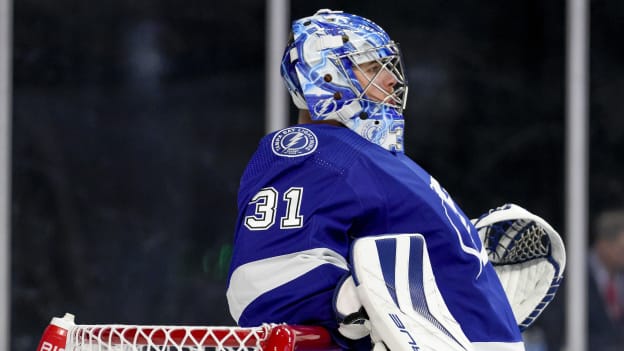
point(353, 321)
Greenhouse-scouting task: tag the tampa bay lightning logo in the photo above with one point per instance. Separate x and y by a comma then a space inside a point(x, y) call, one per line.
point(325, 107)
point(294, 142)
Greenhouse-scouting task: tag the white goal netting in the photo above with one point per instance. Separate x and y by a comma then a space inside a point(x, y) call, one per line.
point(161, 338)
point(64, 335)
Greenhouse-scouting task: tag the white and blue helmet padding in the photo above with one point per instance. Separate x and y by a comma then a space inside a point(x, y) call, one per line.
point(395, 283)
point(528, 256)
point(318, 67)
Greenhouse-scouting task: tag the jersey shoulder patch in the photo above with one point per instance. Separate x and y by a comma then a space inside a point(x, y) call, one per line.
point(294, 142)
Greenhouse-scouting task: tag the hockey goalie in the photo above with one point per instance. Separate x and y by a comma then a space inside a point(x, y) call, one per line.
point(338, 227)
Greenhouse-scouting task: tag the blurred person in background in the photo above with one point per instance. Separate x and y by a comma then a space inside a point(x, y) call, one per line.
point(605, 290)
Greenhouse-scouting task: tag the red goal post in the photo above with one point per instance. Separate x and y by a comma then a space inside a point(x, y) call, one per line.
point(62, 334)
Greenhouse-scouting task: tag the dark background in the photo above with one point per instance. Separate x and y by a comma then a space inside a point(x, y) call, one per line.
point(133, 121)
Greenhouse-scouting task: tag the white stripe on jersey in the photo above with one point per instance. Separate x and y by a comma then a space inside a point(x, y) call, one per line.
point(251, 280)
point(498, 346)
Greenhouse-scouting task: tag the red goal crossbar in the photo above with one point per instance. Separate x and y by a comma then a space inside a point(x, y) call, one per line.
point(62, 334)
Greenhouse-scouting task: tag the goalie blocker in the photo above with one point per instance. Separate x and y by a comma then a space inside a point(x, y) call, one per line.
point(393, 279)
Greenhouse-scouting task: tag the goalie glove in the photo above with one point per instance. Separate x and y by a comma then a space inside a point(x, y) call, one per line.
point(528, 256)
point(353, 321)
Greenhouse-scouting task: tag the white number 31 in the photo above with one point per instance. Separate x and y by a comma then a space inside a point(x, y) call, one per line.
point(265, 203)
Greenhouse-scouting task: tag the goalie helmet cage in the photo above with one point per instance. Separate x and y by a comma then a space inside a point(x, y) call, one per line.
point(62, 334)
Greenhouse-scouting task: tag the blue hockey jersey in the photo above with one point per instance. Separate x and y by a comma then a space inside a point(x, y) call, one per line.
point(309, 191)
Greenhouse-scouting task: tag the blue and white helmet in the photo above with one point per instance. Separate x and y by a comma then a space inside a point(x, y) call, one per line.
point(319, 65)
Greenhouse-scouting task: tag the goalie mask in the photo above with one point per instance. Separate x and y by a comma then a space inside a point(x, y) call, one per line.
point(321, 64)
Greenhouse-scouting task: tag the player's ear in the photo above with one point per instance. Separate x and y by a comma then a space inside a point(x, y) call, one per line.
point(304, 116)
